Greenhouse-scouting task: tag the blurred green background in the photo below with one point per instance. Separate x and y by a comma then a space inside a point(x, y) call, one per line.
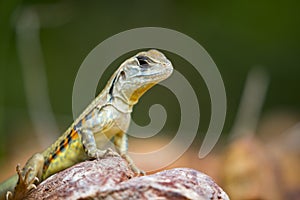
point(237, 34)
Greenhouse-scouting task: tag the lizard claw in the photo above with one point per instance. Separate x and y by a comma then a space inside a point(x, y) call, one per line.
point(141, 172)
point(9, 195)
point(31, 186)
point(36, 179)
point(31, 183)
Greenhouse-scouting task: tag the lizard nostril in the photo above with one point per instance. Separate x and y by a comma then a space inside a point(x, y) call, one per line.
point(122, 74)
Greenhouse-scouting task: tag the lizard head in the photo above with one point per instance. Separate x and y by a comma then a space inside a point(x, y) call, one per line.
point(138, 74)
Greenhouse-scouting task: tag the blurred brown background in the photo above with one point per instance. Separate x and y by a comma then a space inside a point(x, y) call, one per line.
point(44, 43)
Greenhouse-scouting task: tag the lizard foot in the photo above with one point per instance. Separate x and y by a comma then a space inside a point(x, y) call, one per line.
point(110, 152)
point(132, 166)
point(136, 170)
point(24, 183)
point(98, 154)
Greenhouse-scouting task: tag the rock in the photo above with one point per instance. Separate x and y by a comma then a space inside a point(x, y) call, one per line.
point(111, 178)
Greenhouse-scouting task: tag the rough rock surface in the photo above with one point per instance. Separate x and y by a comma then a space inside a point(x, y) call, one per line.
point(110, 178)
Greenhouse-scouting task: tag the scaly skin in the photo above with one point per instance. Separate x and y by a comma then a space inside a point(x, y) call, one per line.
point(108, 116)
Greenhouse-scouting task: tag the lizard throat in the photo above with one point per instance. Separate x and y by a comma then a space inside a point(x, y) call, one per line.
point(125, 104)
point(134, 98)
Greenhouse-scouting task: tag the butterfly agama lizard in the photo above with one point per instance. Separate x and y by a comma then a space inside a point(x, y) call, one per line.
point(107, 117)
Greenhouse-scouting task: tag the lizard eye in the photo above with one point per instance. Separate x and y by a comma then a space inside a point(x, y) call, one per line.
point(143, 61)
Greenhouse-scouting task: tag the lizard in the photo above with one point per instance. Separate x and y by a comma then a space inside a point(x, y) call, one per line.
point(105, 119)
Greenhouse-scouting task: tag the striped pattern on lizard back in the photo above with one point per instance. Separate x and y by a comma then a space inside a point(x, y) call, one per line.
point(66, 151)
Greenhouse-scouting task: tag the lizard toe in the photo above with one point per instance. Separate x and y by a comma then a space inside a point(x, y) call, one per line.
point(111, 153)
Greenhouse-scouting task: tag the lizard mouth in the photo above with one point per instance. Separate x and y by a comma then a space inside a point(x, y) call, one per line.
point(158, 76)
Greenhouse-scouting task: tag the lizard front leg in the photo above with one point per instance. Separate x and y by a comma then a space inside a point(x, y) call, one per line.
point(121, 144)
point(98, 120)
point(27, 177)
point(90, 147)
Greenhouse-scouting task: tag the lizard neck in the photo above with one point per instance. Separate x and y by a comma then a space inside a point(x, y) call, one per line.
point(115, 97)
point(118, 97)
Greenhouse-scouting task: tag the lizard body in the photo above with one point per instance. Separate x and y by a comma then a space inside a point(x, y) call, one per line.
point(107, 117)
